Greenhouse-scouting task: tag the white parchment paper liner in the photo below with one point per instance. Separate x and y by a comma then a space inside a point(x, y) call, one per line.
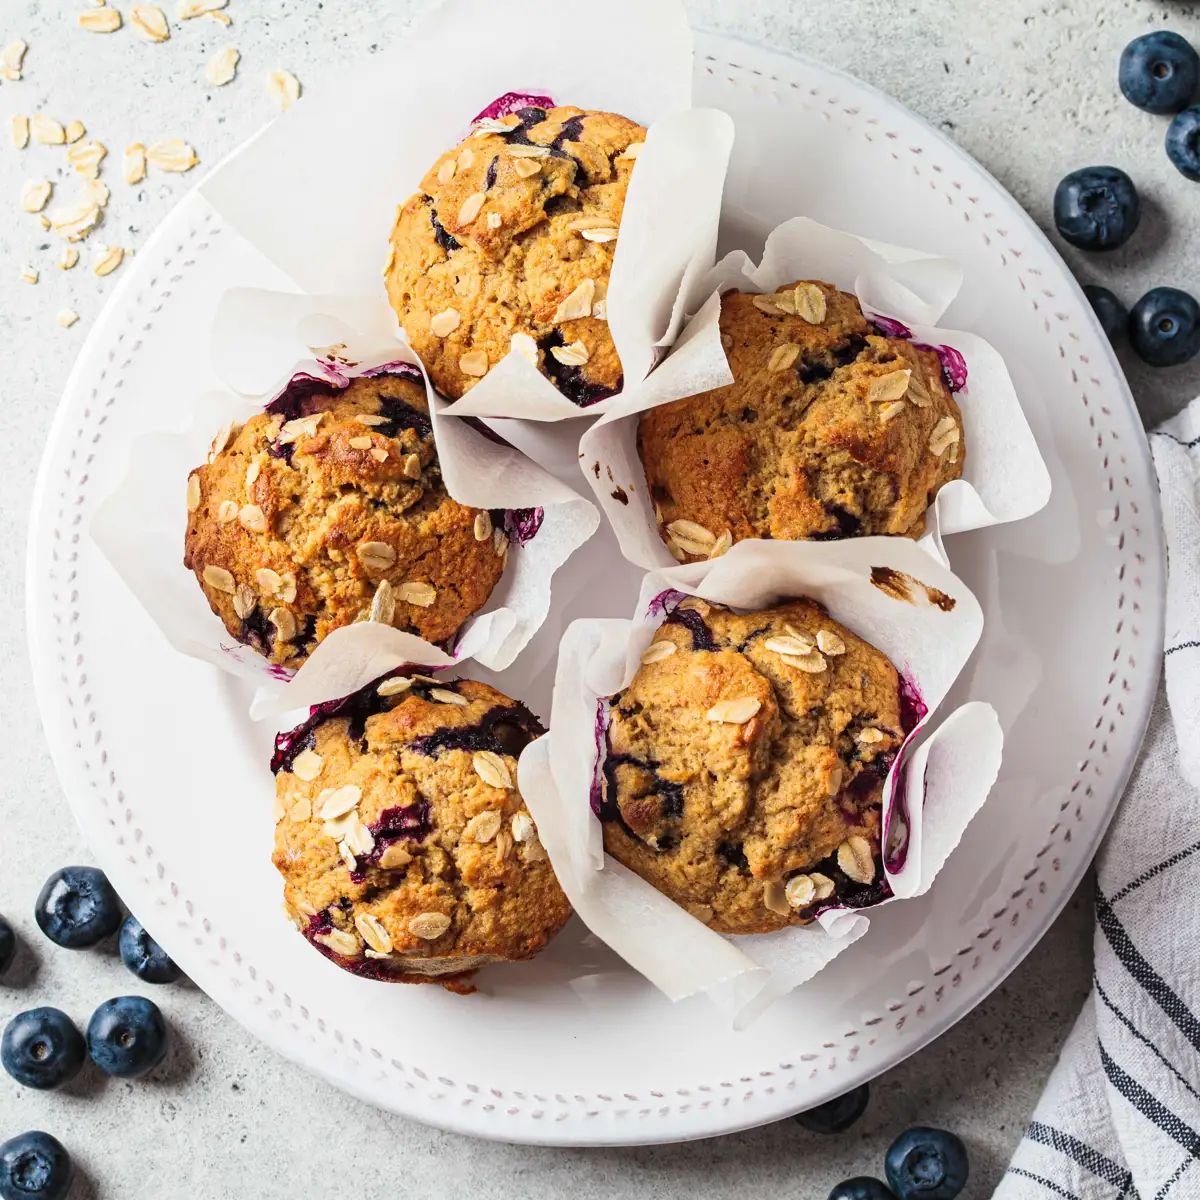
point(140, 527)
point(947, 777)
point(317, 191)
point(1004, 477)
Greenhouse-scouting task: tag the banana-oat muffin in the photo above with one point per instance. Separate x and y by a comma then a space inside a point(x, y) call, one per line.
point(329, 508)
point(743, 767)
point(510, 242)
point(406, 850)
point(829, 430)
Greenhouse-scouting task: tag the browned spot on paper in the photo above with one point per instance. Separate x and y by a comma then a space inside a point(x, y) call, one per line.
point(596, 468)
point(904, 587)
point(619, 494)
point(610, 475)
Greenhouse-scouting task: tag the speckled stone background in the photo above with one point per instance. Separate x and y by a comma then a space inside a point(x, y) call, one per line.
point(1027, 86)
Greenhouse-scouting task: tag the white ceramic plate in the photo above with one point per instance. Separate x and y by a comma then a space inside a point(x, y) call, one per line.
point(171, 787)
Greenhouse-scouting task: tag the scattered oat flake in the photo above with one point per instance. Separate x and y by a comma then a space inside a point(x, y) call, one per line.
point(20, 132)
point(74, 222)
point(109, 260)
point(150, 22)
point(67, 317)
point(172, 155)
point(47, 130)
point(12, 58)
point(34, 194)
point(28, 274)
point(284, 88)
point(100, 20)
point(68, 258)
point(198, 8)
point(222, 18)
point(86, 158)
point(97, 192)
point(135, 163)
point(222, 67)
point(74, 131)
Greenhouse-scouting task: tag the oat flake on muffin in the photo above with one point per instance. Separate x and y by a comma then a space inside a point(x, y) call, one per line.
point(509, 244)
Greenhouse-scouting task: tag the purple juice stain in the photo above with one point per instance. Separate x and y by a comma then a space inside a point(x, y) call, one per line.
point(954, 366)
point(521, 524)
point(511, 102)
point(600, 735)
point(665, 601)
point(890, 327)
point(913, 709)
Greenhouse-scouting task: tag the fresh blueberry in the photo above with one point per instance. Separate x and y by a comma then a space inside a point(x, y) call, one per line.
point(1183, 143)
point(837, 1115)
point(862, 1187)
point(42, 1048)
point(8, 945)
point(77, 908)
point(1164, 327)
point(127, 1037)
point(927, 1164)
point(1159, 72)
point(35, 1166)
point(1097, 208)
point(1112, 313)
point(144, 956)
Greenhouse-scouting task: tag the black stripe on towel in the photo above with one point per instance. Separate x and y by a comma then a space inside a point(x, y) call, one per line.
point(1178, 441)
point(1149, 1106)
point(1085, 1155)
point(1181, 646)
point(1046, 1183)
point(1154, 984)
point(1175, 1176)
point(1141, 1037)
point(1153, 872)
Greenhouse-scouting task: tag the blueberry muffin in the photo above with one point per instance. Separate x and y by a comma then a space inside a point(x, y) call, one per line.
point(329, 508)
point(743, 767)
point(829, 430)
point(510, 243)
point(406, 850)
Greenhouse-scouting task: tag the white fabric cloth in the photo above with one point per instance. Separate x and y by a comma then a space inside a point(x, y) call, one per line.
point(1120, 1117)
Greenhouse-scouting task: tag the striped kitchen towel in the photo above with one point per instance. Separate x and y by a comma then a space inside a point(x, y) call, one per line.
point(1120, 1117)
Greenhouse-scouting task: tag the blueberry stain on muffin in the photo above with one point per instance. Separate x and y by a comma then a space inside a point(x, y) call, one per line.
point(743, 774)
point(509, 245)
point(407, 852)
point(329, 508)
point(832, 428)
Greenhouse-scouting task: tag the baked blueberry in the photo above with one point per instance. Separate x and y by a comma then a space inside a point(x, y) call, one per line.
point(35, 1166)
point(927, 1164)
point(77, 907)
point(8, 945)
point(838, 1114)
point(1183, 143)
point(42, 1048)
point(1097, 208)
point(1164, 327)
point(1159, 72)
point(144, 956)
point(862, 1187)
point(127, 1037)
point(1113, 315)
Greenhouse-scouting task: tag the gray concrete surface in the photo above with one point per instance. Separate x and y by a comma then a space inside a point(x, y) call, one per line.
point(1027, 86)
